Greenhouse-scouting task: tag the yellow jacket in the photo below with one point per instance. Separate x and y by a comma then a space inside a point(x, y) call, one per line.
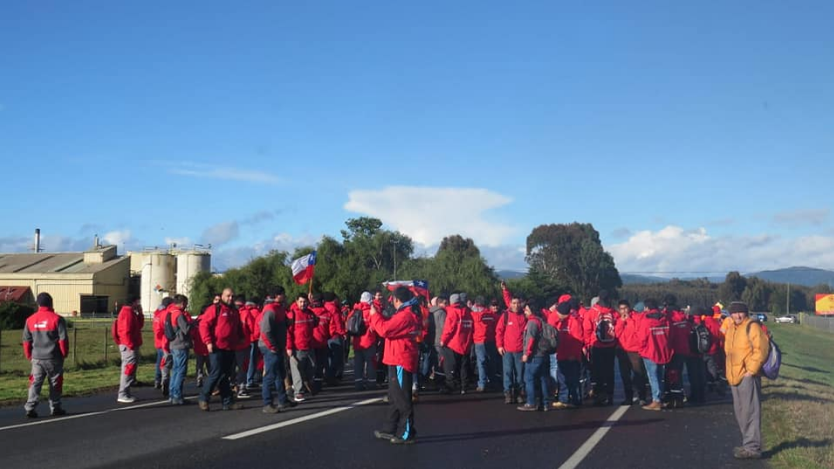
point(746, 353)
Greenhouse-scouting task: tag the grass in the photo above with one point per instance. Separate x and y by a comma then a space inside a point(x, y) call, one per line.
point(799, 406)
point(87, 370)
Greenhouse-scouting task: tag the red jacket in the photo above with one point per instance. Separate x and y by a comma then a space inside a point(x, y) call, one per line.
point(45, 335)
point(485, 322)
point(571, 338)
point(220, 326)
point(322, 332)
point(654, 336)
point(589, 326)
point(400, 334)
point(337, 321)
point(254, 323)
point(681, 326)
point(457, 332)
point(129, 326)
point(370, 337)
point(626, 329)
point(509, 332)
point(714, 331)
point(301, 327)
point(199, 346)
point(159, 340)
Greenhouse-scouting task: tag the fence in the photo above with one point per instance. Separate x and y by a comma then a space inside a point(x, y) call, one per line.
point(90, 346)
point(824, 323)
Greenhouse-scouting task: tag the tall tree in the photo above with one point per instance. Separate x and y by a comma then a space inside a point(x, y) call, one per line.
point(733, 287)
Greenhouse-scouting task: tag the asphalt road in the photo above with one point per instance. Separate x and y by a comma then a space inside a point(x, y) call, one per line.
point(334, 429)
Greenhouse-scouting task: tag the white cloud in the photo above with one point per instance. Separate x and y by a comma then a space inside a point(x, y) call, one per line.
point(695, 252)
point(118, 238)
point(428, 214)
point(199, 170)
point(227, 258)
point(220, 233)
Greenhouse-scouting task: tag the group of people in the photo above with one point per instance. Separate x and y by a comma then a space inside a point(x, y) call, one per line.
point(539, 355)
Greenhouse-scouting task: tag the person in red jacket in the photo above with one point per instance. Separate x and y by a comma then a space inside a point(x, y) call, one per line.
point(485, 319)
point(509, 337)
point(713, 358)
point(632, 368)
point(456, 340)
point(599, 327)
point(653, 336)
point(222, 332)
point(300, 346)
point(45, 345)
point(129, 334)
point(242, 347)
point(335, 345)
point(321, 336)
point(364, 347)
point(569, 355)
point(381, 373)
point(253, 377)
point(162, 371)
point(694, 360)
point(679, 331)
point(400, 333)
point(200, 352)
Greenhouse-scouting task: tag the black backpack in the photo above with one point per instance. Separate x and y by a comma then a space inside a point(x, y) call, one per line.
point(169, 328)
point(356, 323)
point(549, 341)
point(700, 340)
point(605, 328)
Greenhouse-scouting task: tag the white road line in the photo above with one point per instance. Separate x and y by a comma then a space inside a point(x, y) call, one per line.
point(594, 440)
point(306, 418)
point(88, 414)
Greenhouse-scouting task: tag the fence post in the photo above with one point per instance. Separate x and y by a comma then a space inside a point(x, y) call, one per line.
point(75, 345)
point(105, 345)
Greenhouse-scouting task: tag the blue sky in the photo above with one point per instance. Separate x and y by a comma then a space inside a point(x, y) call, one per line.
point(694, 137)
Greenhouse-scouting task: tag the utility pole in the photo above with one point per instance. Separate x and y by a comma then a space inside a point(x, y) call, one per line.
point(394, 248)
point(788, 301)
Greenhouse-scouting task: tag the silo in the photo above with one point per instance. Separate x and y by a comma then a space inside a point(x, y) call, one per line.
point(189, 264)
point(157, 279)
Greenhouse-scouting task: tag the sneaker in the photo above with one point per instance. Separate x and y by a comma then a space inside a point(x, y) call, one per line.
point(243, 394)
point(32, 414)
point(58, 411)
point(126, 400)
point(559, 405)
point(299, 397)
point(177, 402)
point(520, 399)
point(204, 406)
point(655, 406)
point(479, 389)
point(157, 385)
point(199, 383)
point(233, 406)
point(527, 408)
point(380, 435)
point(385, 399)
point(399, 441)
point(270, 409)
point(747, 454)
point(508, 398)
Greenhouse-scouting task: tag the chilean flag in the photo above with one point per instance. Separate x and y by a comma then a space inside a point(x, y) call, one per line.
point(418, 287)
point(303, 267)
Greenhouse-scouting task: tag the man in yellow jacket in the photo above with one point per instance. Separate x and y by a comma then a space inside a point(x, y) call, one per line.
point(746, 346)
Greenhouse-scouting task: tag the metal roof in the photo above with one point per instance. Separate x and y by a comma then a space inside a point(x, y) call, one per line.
point(13, 294)
point(46, 263)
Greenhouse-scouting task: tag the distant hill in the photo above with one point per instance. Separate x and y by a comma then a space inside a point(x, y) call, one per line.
point(806, 276)
point(633, 278)
point(509, 274)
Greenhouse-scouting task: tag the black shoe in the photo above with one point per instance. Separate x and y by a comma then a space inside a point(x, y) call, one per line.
point(289, 403)
point(399, 441)
point(234, 406)
point(32, 414)
point(271, 409)
point(380, 435)
point(57, 412)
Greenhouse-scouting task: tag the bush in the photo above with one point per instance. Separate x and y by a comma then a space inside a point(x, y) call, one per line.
point(13, 315)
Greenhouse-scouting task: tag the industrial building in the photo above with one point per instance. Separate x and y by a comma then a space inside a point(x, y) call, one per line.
point(158, 273)
point(82, 282)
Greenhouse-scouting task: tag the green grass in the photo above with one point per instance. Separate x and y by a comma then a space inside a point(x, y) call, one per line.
point(798, 412)
point(86, 368)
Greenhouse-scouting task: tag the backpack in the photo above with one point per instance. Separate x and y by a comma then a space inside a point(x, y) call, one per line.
point(770, 367)
point(700, 340)
point(356, 323)
point(169, 328)
point(605, 328)
point(549, 340)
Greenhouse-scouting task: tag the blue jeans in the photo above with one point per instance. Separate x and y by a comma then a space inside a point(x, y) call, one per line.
point(537, 378)
point(275, 372)
point(335, 362)
point(251, 373)
point(655, 373)
point(222, 365)
point(157, 377)
point(178, 372)
point(554, 373)
point(570, 391)
point(513, 370)
point(481, 354)
point(427, 360)
point(361, 359)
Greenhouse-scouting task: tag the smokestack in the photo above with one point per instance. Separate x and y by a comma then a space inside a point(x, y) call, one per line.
point(95, 242)
point(37, 240)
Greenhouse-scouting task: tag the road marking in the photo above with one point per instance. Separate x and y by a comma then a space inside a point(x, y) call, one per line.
point(594, 440)
point(88, 414)
point(306, 418)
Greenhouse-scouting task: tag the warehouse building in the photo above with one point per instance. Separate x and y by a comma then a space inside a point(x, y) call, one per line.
point(83, 282)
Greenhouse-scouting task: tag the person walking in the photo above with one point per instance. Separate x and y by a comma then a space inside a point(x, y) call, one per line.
point(180, 345)
point(129, 333)
point(222, 332)
point(45, 345)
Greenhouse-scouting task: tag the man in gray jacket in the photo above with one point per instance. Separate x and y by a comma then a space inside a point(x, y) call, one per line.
point(437, 319)
point(178, 322)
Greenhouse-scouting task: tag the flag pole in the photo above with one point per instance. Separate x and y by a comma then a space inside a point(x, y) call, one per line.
point(310, 291)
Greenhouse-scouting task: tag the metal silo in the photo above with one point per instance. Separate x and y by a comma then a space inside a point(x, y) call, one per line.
point(189, 264)
point(158, 279)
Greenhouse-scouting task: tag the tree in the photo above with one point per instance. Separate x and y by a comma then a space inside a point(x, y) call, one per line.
point(732, 288)
point(572, 255)
point(756, 294)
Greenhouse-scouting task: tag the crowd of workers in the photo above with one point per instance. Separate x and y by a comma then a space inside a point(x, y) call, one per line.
point(552, 356)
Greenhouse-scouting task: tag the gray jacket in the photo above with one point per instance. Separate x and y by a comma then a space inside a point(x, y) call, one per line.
point(437, 319)
point(183, 327)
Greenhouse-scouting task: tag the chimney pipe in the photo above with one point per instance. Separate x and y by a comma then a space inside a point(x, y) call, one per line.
point(95, 242)
point(37, 240)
